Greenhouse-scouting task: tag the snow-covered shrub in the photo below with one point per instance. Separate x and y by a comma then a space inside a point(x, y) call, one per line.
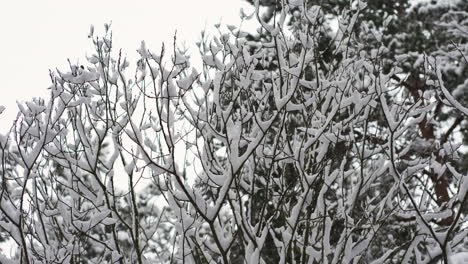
point(287, 157)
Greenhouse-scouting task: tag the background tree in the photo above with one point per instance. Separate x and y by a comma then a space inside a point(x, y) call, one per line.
point(395, 30)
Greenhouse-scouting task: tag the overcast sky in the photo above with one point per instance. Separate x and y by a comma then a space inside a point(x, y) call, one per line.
point(40, 35)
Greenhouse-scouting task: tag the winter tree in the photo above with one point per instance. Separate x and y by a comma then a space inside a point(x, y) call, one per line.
point(303, 144)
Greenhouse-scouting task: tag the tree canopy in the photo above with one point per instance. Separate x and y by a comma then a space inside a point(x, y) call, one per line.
point(335, 134)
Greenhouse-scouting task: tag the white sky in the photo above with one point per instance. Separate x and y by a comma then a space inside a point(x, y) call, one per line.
point(38, 35)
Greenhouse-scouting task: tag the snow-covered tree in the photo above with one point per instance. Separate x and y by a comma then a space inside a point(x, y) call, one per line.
point(280, 150)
